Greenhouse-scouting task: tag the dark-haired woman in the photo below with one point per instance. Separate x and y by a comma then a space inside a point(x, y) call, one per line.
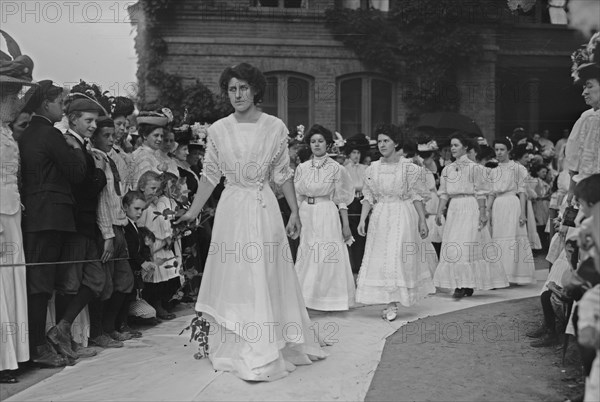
point(508, 203)
point(250, 291)
point(396, 266)
point(151, 126)
point(323, 266)
point(121, 109)
point(464, 265)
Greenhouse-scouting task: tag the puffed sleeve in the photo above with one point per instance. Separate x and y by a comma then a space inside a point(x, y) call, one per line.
point(590, 156)
point(367, 191)
point(211, 170)
point(482, 181)
point(520, 176)
point(298, 185)
point(415, 181)
point(443, 190)
point(343, 193)
point(530, 186)
point(144, 162)
point(282, 171)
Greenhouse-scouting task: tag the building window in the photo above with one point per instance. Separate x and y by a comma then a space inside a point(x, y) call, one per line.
point(363, 103)
point(290, 97)
point(381, 5)
point(281, 3)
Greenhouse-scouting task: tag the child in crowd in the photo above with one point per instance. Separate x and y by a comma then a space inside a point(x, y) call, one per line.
point(158, 288)
point(140, 260)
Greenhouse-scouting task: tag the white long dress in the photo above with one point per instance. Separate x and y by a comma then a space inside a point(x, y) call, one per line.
point(250, 290)
point(467, 258)
point(431, 207)
point(532, 234)
point(14, 346)
point(510, 237)
point(397, 262)
point(323, 264)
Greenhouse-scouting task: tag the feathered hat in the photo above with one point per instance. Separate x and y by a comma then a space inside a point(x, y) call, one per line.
point(586, 61)
point(16, 68)
point(161, 117)
point(357, 142)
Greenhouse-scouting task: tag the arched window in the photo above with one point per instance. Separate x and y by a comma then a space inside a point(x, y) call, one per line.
point(364, 101)
point(289, 96)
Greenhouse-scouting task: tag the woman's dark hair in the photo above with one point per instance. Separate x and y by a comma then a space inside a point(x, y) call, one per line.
point(131, 196)
point(121, 106)
point(463, 139)
point(588, 189)
point(144, 130)
point(304, 154)
point(425, 154)
point(504, 141)
point(391, 131)
point(485, 152)
point(535, 169)
point(410, 148)
point(248, 73)
point(319, 129)
point(520, 151)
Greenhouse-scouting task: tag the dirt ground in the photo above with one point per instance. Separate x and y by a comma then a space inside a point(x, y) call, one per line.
point(476, 354)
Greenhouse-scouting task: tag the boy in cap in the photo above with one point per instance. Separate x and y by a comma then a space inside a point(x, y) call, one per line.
point(50, 167)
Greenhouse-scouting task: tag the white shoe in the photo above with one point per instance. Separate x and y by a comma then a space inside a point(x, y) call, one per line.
point(390, 313)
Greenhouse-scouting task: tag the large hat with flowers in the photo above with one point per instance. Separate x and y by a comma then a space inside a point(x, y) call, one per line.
point(161, 117)
point(586, 61)
point(15, 68)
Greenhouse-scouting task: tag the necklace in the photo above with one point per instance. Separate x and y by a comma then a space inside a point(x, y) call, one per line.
point(312, 163)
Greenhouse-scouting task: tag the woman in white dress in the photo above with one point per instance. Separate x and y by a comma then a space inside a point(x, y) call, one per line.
point(465, 262)
point(396, 266)
point(323, 265)
point(151, 126)
point(522, 156)
point(249, 291)
point(426, 154)
point(508, 203)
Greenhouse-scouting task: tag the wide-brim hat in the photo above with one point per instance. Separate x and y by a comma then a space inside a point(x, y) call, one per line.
point(17, 68)
point(82, 103)
point(36, 94)
point(358, 142)
point(183, 137)
point(160, 118)
point(587, 71)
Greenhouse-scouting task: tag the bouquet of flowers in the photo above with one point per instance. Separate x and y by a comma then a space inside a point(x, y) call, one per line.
point(199, 133)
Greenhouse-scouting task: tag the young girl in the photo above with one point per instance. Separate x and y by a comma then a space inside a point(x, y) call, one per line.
point(396, 266)
point(323, 265)
point(522, 155)
point(508, 204)
point(166, 253)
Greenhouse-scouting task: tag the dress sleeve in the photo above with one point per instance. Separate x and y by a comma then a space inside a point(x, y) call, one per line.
point(297, 178)
point(368, 195)
point(415, 181)
point(481, 181)
point(590, 156)
point(343, 194)
point(160, 226)
point(143, 163)
point(211, 169)
point(282, 171)
point(521, 176)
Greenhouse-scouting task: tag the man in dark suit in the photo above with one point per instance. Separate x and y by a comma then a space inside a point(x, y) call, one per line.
point(80, 282)
point(49, 167)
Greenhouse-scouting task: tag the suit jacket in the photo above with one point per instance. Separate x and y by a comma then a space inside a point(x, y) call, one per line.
point(49, 168)
point(134, 246)
point(86, 195)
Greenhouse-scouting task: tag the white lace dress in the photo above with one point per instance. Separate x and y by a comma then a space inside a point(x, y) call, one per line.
point(250, 291)
point(323, 264)
point(397, 264)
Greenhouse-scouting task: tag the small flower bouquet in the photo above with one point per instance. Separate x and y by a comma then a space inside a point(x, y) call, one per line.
point(199, 133)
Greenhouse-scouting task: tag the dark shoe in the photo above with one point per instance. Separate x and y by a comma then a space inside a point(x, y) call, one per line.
point(126, 329)
point(545, 341)
point(83, 352)
point(459, 293)
point(468, 292)
point(61, 341)
point(46, 357)
point(538, 332)
point(6, 377)
point(120, 336)
point(105, 341)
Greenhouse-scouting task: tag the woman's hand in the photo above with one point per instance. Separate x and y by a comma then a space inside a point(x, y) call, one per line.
point(187, 217)
point(438, 219)
point(483, 219)
point(423, 229)
point(293, 226)
point(346, 232)
point(361, 228)
point(522, 220)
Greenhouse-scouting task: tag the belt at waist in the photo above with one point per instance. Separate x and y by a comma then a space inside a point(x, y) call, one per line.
point(317, 200)
point(461, 195)
point(393, 198)
point(513, 193)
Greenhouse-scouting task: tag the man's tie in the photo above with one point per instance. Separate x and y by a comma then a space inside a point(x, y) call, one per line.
point(115, 172)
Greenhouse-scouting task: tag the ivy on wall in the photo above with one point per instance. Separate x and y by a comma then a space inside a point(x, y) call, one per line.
point(421, 43)
point(201, 104)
